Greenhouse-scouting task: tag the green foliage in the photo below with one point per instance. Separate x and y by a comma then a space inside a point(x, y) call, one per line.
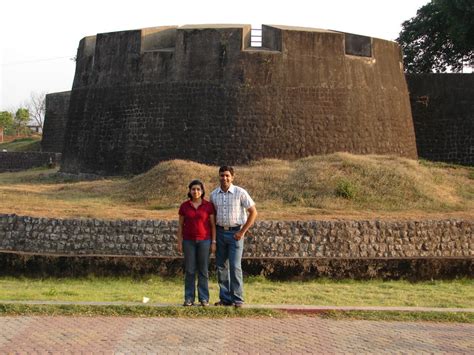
point(6, 120)
point(439, 37)
point(22, 116)
point(346, 189)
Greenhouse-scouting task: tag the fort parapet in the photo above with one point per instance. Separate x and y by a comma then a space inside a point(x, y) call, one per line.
point(203, 93)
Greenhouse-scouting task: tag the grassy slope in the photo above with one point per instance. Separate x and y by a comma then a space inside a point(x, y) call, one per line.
point(333, 186)
point(32, 144)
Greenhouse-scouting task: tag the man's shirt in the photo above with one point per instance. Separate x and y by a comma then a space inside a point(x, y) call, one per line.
point(231, 206)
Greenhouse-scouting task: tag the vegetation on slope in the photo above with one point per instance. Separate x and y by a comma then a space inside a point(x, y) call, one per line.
point(339, 184)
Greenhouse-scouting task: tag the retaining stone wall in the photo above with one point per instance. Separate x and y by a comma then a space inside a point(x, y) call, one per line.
point(449, 238)
point(15, 161)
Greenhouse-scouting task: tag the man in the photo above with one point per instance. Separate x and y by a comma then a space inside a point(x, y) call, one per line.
point(232, 204)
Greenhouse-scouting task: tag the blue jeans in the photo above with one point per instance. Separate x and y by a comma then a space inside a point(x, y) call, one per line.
point(196, 258)
point(229, 268)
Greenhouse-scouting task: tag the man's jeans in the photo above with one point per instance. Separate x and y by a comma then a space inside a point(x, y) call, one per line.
point(229, 268)
point(196, 256)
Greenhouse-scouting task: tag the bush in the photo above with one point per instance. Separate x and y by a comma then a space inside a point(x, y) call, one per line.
point(346, 189)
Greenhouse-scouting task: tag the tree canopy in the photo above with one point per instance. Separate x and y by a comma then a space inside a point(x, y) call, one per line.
point(6, 119)
point(439, 38)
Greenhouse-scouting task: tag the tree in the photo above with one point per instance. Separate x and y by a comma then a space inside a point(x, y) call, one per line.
point(22, 117)
point(37, 107)
point(6, 120)
point(439, 38)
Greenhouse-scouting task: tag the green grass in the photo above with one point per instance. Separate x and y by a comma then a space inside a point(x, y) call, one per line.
point(31, 144)
point(221, 312)
point(136, 311)
point(258, 290)
point(457, 317)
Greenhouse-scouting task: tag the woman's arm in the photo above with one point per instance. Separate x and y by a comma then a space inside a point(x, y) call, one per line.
point(212, 221)
point(179, 243)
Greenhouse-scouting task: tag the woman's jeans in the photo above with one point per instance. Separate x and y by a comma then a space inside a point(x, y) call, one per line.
point(196, 258)
point(229, 267)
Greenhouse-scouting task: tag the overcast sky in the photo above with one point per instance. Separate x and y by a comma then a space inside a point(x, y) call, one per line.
point(38, 38)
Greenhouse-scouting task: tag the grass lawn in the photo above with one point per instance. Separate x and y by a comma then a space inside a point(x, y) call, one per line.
point(27, 144)
point(455, 293)
point(258, 290)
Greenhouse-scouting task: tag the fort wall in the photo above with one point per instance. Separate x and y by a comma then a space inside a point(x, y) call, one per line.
point(443, 115)
point(202, 93)
point(57, 106)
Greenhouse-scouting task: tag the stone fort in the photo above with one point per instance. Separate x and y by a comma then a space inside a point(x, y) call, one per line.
point(203, 93)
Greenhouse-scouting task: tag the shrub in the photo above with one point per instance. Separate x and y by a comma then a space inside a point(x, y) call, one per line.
point(346, 189)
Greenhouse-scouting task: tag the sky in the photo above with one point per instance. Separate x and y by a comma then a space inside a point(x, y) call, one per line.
point(39, 38)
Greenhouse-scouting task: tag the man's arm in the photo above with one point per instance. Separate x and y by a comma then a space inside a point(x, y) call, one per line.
point(250, 221)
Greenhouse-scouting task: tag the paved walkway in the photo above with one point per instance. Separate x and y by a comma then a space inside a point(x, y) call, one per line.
point(295, 334)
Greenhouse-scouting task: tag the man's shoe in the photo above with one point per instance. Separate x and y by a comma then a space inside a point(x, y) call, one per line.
point(238, 304)
point(222, 303)
point(188, 304)
point(205, 303)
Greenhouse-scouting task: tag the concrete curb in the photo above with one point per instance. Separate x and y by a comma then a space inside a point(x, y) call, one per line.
point(296, 309)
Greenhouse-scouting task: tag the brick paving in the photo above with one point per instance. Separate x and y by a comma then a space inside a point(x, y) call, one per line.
point(295, 334)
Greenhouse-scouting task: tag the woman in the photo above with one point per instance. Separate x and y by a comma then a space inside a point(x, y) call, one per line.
point(196, 237)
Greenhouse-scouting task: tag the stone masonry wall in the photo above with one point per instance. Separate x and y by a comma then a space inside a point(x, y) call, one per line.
point(133, 128)
point(443, 115)
point(57, 106)
point(447, 238)
point(16, 161)
point(140, 97)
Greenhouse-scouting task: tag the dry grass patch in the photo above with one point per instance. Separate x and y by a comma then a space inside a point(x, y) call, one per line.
point(339, 185)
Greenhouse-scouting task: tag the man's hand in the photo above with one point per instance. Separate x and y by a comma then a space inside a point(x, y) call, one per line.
point(239, 235)
point(213, 248)
point(179, 246)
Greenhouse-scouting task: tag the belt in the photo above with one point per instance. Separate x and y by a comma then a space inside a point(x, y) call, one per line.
point(236, 228)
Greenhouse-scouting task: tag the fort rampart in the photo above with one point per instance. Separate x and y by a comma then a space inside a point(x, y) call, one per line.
point(202, 93)
point(443, 115)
